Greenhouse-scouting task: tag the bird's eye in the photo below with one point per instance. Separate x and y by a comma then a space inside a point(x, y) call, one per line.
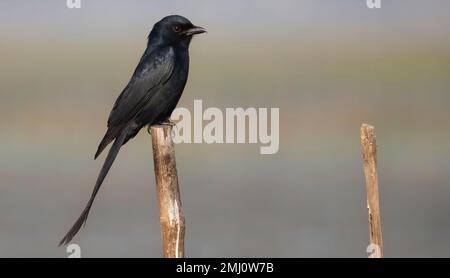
point(176, 29)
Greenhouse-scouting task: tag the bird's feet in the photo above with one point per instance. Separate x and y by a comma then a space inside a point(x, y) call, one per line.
point(168, 122)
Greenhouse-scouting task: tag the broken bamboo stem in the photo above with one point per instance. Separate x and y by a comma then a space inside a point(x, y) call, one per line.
point(369, 153)
point(171, 214)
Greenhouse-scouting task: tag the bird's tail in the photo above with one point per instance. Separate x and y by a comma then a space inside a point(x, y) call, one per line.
point(104, 171)
point(111, 133)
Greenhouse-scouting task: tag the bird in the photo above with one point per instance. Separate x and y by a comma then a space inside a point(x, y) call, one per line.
point(150, 96)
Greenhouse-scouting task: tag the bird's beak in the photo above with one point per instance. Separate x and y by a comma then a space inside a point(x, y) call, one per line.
point(194, 31)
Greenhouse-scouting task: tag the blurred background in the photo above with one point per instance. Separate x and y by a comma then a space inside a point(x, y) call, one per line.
point(328, 65)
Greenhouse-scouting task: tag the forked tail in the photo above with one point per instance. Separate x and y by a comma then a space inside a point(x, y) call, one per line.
point(104, 171)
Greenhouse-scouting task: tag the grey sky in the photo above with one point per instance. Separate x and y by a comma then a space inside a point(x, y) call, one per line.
point(253, 18)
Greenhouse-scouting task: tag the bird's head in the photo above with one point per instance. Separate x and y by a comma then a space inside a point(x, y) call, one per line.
point(174, 30)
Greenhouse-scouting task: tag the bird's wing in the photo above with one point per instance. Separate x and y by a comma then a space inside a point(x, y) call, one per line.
point(153, 70)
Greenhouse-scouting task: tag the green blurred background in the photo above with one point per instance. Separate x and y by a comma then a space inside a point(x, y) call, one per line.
point(328, 65)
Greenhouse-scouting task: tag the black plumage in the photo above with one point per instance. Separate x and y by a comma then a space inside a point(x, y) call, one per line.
point(150, 96)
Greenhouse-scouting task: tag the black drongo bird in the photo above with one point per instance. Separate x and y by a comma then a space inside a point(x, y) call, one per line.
point(150, 96)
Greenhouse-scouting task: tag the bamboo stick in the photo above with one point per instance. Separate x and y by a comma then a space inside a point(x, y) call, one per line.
point(369, 153)
point(170, 209)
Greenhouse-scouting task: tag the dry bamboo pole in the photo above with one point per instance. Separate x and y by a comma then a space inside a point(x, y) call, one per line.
point(171, 214)
point(369, 153)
